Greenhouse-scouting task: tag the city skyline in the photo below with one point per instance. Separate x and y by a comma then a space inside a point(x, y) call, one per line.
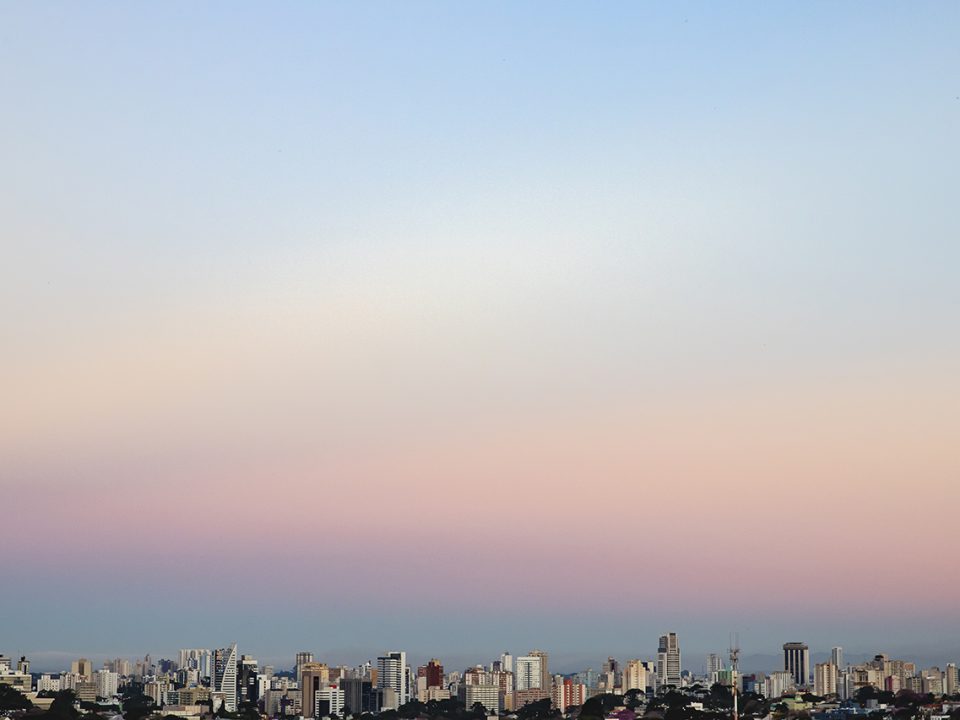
point(230, 672)
point(218, 683)
point(563, 663)
point(457, 327)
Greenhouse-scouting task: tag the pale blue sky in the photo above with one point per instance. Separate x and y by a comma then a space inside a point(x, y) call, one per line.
point(522, 209)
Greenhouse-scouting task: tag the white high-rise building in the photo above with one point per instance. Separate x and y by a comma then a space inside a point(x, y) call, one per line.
point(506, 662)
point(190, 659)
point(48, 683)
point(777, 683)
point(392, 674)
point(546, 679)
point(836, 657)
point(825, 679)
point(329, 701)
point(668, 660)
point(714, 667)
point(224, 680)
point(107, 683)
point(529, 673)
point(486, 694)
point(634, 676)
point(950, 679)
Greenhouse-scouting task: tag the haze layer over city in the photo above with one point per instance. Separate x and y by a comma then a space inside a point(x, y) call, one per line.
point(456, 328)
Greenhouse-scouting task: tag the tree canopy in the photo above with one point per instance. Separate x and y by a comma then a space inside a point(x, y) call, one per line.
point(13, 699)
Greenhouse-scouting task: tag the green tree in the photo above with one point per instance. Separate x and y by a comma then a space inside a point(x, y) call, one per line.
point(62, 707)
point(477, 710)
point(632, 699)
point(410, 710)
point(13, 699)
point(137, 706)
point(537, 710)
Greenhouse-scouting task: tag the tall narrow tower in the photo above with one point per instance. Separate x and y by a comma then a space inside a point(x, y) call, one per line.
point(734, 666)
point(392, 675)
point(225, 676)
point(546, 679)
point(668, 660)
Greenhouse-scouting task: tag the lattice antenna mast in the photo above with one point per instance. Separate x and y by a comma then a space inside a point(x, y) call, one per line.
point(734, 666)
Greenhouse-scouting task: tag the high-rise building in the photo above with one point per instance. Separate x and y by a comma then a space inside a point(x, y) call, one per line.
point(248, 669)
point(796, 661)
point(359, 696)
point(433, 673)
point(48, 683)
point(950, 680)
point(914, 683)
point(777, 683)
point(634, 676)
point(845, 684)
point(529, 673)
point(931, 681)
point(190, 659)
point(668, 660)
point(506, 662)
point(83, 668)
point(303, 657)
point(714, 666)
point(313, 678)
point(392, 675)
point(107, 684)
point(87, 692)
point(224, 679)
point(487, 694)
point(836, 657)
point(825, 679)
point(329, 701)
point(546, 680)
point(505, 681)
point(567, 693)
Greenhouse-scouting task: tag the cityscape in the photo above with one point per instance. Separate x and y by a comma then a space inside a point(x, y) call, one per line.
point(479, 359)
point(224, 683)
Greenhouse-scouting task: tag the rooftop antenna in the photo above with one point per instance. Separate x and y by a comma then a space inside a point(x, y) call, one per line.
point(734, 665)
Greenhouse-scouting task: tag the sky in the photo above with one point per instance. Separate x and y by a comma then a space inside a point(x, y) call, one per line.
point(464, 327)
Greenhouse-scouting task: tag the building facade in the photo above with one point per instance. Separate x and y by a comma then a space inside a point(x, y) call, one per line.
point(313, 678)
point(668, 660)
point(825, 679)
point(224, 679)
point(328, 701)
point(529, 673)
point(796, 661)
point(392, 675)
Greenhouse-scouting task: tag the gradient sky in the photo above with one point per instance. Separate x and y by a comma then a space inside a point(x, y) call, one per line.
point(458, 327)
